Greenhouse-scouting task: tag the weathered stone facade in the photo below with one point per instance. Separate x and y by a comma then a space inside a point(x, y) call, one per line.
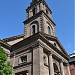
point(37, 51)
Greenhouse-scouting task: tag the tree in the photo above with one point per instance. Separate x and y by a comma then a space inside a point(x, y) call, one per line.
point(5, 66)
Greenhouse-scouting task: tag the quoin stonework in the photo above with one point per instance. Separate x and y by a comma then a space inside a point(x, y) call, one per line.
point(38, 51)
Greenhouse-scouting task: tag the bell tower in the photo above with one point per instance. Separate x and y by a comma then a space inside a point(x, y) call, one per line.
point(38, 51)
point(38, 19)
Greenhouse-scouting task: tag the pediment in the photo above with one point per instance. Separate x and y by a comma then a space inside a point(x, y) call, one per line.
point(46, 38)
point(56, 43)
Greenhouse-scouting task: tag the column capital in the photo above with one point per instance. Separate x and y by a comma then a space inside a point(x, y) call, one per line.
point(50, 53)
point(61, 61)
point(67, 64)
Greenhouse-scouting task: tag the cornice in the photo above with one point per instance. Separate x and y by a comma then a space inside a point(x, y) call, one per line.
point(54, 38)
point(36, 15)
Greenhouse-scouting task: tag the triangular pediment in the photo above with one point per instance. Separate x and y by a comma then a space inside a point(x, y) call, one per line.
point(55, 41)
point(47, 39)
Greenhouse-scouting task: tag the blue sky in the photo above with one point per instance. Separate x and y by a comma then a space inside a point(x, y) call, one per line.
point(12, 15)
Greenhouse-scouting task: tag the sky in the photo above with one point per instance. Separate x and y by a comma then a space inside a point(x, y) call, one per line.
point(12, 15)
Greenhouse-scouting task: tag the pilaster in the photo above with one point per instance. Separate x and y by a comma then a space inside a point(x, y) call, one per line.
point(62, 67)
point(38, 68)
point(68, 68)
point(41, 6)
point(51, 64)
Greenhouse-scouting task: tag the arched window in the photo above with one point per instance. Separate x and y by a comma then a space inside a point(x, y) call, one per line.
point(33, 29)
point(34, 11)
point(49, 31)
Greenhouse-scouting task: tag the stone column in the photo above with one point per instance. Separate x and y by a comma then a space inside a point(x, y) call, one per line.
point(62, 68)
point(37, 8)
point(51, 64)
point(38, 68)
point(68, 68)
point(41, 6)
point(14, 60)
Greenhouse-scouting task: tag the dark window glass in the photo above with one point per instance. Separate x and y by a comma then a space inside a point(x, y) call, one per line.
point(24, 58)
point(55, 44)
point(46, 11)
point(49, 32)
point(33, 29)
point(22, 73)
point(34, 11)
point(44, 58)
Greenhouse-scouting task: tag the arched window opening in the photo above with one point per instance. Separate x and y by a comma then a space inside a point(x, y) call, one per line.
point(46, 11)
point(49, 31)
point(34, 11)
point(33, 29)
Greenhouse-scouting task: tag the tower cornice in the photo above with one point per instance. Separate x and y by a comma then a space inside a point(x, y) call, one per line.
point(37, 2)
point(36, 15)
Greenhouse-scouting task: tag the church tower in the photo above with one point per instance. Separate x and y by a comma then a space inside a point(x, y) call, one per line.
point(38, 51)
point(39, 19)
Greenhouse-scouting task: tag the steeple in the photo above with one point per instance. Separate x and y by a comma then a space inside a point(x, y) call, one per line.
point(39, 19)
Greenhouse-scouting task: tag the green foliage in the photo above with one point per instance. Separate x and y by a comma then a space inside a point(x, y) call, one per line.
point(5, 66)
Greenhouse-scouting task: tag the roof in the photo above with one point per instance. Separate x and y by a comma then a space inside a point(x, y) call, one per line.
point(4, 44)
point(13, 38)
point(72, 55)
point(72, 58)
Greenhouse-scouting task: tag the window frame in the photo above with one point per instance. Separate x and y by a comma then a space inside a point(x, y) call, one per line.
point(33, 30)
point(47, 12)
point(45, 59)
point(49, 30)
point(34, 11)
point(23, 59)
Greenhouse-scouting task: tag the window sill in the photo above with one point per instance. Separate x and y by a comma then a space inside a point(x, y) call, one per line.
point(22, 63)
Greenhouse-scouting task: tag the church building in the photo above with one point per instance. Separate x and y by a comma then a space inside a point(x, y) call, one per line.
point(37, 51)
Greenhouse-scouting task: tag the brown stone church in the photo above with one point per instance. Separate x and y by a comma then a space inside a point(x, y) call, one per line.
point(38, 51)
